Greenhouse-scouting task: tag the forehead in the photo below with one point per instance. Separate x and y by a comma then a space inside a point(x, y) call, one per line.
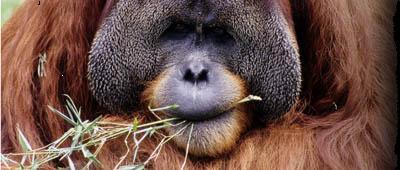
point(207, 10)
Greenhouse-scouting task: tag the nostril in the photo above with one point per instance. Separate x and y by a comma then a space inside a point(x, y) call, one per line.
point(203, 75)
point(196, 75)
point(189, 76)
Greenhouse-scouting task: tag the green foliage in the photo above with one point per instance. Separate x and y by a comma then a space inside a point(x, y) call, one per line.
point(94, 134)
point(84, 135)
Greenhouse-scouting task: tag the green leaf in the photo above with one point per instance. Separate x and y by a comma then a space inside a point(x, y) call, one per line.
point(4, 160)
point(61, 139)
point(70, 113)
point(21, 165)
point(71, 106)
point(78, 134)
point(132, 167)
point(89, 155)
point(26, 147)
point(23, 142)
point(71, 164)
point(62, 115)
point(250, 98)
point(152, 131)
point(91, 125)
point(253, 97)
point(135, 124)
point(41, 63)
point(174, 106)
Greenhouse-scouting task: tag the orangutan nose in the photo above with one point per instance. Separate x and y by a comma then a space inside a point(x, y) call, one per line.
point(195, 72)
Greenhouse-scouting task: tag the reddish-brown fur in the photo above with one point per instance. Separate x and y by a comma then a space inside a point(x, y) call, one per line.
point(348, 57)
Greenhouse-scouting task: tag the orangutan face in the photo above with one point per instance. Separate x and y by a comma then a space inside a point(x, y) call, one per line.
point(204, 56)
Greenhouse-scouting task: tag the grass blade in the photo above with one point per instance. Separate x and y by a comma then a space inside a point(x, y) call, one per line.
point(71, 164)
point(26, 147)
point(132, 167)
point(89, 155)
point(187, 147)
point(62, 115)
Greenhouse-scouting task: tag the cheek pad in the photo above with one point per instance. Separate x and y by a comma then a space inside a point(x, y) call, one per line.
point(123, 56)
point(269, 62)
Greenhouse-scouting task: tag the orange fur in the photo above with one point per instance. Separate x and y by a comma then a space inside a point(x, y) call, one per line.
point(348, 57)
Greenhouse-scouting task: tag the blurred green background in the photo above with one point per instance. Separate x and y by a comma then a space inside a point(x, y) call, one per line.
point(7, 8)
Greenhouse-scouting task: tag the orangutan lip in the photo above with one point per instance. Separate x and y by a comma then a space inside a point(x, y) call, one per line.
point(178, 124)
point(198, 120)
point(209, 118)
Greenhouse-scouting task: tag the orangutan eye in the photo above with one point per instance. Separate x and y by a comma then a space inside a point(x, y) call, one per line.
point(180, 28)
point(219, 35)
point(178, 31)
point(218, 31)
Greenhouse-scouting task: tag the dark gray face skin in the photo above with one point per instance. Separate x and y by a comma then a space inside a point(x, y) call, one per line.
point(196, 41)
